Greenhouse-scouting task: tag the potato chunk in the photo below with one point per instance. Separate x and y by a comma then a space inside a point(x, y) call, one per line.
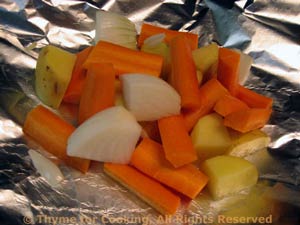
point(248, 143)
point(229, 175)
point(210, 137)
point(52, 75)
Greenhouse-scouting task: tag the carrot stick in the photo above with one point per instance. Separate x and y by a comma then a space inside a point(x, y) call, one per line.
point(210, 93)
point(247, 119)
point(74, 89)
point(98, 91)
point(125, 60)
point(177, 143)
point(148, 30)
point(229, 104)
point(253, 99)
point(228, 69)
point(184, 74)
point(149, 158)
point(52, 133)
point(144, 187)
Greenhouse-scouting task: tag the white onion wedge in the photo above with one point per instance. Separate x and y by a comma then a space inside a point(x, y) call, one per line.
point(154, 40)
point(149, 98)
point(46, 168)
point(108, 136)
point(116, 29)
point(244, 67)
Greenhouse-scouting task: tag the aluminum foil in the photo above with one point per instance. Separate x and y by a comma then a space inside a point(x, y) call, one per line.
point(269, 31)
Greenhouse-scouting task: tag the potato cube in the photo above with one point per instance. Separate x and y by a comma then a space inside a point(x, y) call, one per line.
point(229, 175)
point(52, 75)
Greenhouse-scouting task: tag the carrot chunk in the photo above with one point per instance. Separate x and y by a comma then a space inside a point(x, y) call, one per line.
point(74, 89)
point(149, 158)
point(228, 69)
point(247, 119)
point(149, 190)
point(52, 133)
point(229, 104)
point(148, 30)
point(125, 60)
point(253, 99)
point(210, 93)
point(177, 143)
point(98, 91)
point(184, 74)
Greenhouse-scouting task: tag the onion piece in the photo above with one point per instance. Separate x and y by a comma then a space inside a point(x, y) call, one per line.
point(244, 67)
point(154, 40)
point(149, 98)
point(108, 136)
point(46, 168)
point(116, 29)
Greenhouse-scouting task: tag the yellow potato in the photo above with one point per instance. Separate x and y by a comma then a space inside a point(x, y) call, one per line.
point(52, 75)
point(228, 175)
point(210, 137)
point(206, 60)
point(248, 143)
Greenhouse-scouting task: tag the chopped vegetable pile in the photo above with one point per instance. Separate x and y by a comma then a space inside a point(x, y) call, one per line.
point(166, 117)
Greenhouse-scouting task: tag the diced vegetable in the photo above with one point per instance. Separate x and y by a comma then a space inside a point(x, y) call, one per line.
point(229, 104)
point(229, 175)
point(248, 143)
point(245, 66)
point(46, 168)
point(183, 75)
point(206, 59)
point(177, 143)
point(247, 119)
point(74, 89)
point(253, 99)
point(116, 29)
point(149, 98)
point(228, 69)
point(149, 158)
point(52, 74)
point(52, 133)
point(148, 30)
point(98, 91)
point(159, 48)
point(210, 93)
point(210, 137)
point(125, 60)
point(146, 188)
point(108, 136)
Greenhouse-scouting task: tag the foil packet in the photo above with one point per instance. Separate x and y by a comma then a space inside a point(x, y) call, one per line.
point(269, 31)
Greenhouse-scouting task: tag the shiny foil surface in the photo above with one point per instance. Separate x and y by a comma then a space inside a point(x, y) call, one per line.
point(268, 30)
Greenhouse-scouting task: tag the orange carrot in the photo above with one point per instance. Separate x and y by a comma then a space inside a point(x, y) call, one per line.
point(210, 93)
point(177, 143)
point(229, 104)
point(148, 30)
point(247, 119)
point(52, 133)
point(149, 158)
point(253, 99)
point(74, 89)
point(125, 60)
point(228, 69)
point(184, 74)
point(98, 91)
point(144, 187)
